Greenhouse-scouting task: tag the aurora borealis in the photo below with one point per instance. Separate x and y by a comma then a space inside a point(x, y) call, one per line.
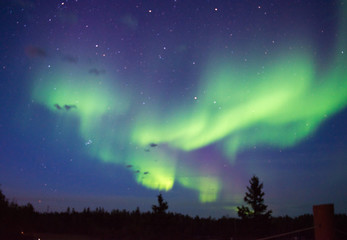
point(109, 103)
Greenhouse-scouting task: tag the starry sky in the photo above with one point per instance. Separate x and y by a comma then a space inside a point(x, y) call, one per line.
point(108, 103)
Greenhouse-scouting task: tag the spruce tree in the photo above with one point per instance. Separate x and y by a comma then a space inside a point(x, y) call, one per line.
point(162, 206)
point(255, 198)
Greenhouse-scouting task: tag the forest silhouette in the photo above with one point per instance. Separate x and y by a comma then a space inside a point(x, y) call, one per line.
point(23, 222)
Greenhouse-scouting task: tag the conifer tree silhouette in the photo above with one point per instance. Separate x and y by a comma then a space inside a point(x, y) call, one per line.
point(255, 198)
point(162, 206)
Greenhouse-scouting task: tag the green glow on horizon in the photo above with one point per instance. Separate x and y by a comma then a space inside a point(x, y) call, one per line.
point(232, 208)
point(156, 170)
point(208, 187)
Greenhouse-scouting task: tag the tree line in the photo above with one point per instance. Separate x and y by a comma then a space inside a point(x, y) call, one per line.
point(19, 222)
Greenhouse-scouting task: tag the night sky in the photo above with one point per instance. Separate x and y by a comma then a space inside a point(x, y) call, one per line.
point(108, 103)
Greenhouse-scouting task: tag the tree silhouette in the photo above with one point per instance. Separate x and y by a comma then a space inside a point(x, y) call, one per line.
point(162, 206)
point(255, 198)
point(3, 201)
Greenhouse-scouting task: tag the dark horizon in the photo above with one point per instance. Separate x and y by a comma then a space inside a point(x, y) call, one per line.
point(23, 222)
point(141, 206)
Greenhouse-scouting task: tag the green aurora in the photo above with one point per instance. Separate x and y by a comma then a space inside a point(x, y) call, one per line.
point(234, 107)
